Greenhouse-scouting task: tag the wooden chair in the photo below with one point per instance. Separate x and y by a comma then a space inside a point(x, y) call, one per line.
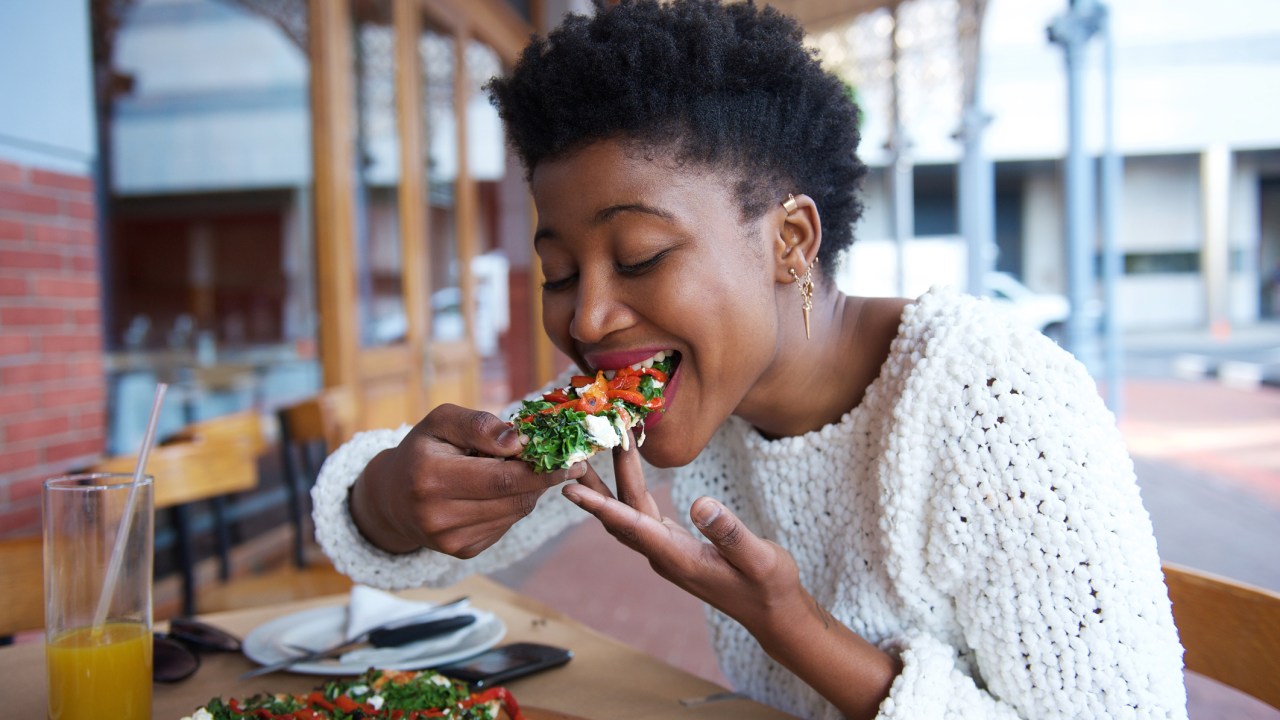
point(1231, 631)
point(239, 432)
point(188, 471)
point(21, 585)
point(309, 431)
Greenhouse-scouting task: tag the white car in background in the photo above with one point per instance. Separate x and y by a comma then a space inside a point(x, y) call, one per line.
point(1046, 312)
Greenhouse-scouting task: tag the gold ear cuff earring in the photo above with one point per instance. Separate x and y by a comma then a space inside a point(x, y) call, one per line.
point(806, 293)
point(790, 204)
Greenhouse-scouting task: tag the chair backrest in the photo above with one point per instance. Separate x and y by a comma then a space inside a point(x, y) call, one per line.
point(242, 428)
point(328, 416)
point(1231, 631)
point(21, 585)
point(188, 471)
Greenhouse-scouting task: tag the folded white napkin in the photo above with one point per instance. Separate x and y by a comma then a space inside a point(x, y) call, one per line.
point(369, 608)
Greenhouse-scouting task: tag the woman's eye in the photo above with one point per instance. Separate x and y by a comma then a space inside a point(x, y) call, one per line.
point(550, 285)
point(642, 266)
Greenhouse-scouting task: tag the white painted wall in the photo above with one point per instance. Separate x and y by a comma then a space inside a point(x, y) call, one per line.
point(1043, 256)
point(1160, 301)
point(46, 85)
point(1160, 210)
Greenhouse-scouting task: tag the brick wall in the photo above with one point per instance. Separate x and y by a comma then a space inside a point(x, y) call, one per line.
point(52, 387)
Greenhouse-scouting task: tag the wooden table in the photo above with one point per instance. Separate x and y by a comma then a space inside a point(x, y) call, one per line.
point(606, 680)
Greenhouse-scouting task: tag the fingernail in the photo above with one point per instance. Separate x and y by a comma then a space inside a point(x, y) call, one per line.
point(706, 513)
point(572, 496)
point(508, 436)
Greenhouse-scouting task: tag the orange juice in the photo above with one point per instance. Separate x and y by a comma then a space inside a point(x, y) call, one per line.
point(107, 674)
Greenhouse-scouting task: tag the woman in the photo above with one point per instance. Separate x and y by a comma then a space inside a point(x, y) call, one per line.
point(953, 525)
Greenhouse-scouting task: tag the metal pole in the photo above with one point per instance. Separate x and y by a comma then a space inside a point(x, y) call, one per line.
point(900, 170)
point(1072, 31)
point(1112, 179)
point(1215, 199)
point(976, 203)
point(975, 182)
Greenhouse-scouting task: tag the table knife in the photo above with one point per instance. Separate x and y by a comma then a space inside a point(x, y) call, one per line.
point(393, 634)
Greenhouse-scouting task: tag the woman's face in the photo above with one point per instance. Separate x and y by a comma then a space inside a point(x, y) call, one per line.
point(641, 255)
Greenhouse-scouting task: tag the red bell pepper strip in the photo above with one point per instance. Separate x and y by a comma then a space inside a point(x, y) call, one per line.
point(502, 695)
point(317, 698)
point(556, 396)
point(630, 396)
point(624, 382)
point(655, 373)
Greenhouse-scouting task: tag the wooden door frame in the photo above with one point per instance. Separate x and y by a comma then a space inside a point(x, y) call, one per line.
point(344, 361)
point(333, 157)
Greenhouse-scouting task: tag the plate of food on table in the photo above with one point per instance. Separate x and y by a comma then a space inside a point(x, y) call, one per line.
point(377, 694)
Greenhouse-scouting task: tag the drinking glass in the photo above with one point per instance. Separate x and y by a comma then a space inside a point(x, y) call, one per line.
point(94, 669)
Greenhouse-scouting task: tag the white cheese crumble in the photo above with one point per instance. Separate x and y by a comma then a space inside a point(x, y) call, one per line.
point(621, 425)
point(441, 680)
point(358, 690)
point(601, 431)
point(376, 702)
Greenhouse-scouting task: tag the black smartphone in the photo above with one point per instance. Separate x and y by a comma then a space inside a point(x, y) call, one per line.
point(505, 663)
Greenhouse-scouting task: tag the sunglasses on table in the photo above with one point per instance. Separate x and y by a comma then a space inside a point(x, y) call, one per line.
point(176, 654)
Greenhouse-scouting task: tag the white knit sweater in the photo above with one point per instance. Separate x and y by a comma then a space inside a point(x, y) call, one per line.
point(976, 515)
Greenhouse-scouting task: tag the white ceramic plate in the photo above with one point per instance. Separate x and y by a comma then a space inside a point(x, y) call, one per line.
point(322, 627)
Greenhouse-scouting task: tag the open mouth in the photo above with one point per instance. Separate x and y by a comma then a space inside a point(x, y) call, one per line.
point(671, 358)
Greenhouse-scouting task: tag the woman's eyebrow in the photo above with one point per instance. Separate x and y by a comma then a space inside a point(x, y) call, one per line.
point(608, 213)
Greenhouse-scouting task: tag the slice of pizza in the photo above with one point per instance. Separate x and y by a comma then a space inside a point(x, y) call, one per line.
point(592, 413)
point(403, 695)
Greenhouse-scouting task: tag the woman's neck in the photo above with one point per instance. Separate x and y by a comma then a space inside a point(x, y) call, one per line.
point(816, 382)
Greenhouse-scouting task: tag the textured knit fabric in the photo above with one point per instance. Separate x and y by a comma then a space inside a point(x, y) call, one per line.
point(976, 515)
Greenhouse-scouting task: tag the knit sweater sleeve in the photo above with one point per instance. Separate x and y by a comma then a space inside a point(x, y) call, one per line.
point(1019, 519)
point(363, 562)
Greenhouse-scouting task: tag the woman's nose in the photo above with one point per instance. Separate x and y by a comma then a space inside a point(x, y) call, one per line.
point(600, 311)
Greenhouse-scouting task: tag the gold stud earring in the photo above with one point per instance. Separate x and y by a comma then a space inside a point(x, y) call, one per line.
point(790, 204)
point(806, 294)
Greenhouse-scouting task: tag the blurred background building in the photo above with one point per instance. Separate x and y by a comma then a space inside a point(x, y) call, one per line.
point(251, 200)
point(1190, 95)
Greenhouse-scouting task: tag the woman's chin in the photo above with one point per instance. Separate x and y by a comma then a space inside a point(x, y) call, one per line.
point(663, 455)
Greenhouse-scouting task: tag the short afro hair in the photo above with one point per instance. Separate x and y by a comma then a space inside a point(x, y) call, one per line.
point(730, 86)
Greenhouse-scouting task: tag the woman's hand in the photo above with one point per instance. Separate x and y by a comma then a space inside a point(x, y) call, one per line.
point(752, 580)
point(453, 485)
point(748, 578)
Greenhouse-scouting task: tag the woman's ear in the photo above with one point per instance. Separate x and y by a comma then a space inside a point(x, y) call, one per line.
point(799, 236)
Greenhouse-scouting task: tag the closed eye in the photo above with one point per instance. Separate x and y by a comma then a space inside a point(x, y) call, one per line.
point(554, 285)
point(641, 267)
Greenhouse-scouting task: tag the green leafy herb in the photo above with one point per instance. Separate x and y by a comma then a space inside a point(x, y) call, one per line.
point(559, 438)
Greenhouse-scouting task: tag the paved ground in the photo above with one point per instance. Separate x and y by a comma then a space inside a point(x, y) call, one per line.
point(1207, 458)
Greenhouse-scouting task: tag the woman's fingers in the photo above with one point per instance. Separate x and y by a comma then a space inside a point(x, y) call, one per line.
point(473, 431)
point(632, 489)
point(472, 478)
point(751, 555)
point(592, 480)
point(643, 533)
